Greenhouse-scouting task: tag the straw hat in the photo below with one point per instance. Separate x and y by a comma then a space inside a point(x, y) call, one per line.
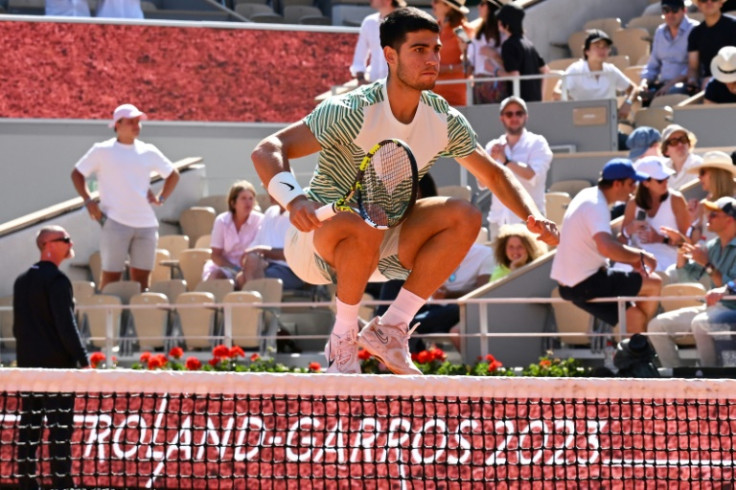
point(715, 159)
point(458, 5)
point(672, 129)
point(723, 65)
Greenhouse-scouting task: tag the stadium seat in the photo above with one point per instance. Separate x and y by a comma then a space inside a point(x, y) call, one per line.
point(575, 43)
point(647, 22)
point(148, 6)
point(456, 191)
point(123, 290)
point(151, 324)
point(218, 202)
point(83, 289)
point(203, 241)
point(96, 319)
point(237, 3)
point(633, 43)
point(621, 61)
point(656, 117)
point(197, 323)
point(246, 322)
point(571, 319)
point(293, 14)
point(560, 64)
point(671, 100)
point(271, 290)
point(27, 7)
point(95, 267)
point(682, 289)
point(249, 9)
point(196, 221)
point(609, 25)
point(556, 205)
point(175, 244)
point(6, 323)
point(171, 288)
point(571, 186)
point(634, 73)
point(161, 272)
point(218, 287)
point(191, 263)
point(272, 18)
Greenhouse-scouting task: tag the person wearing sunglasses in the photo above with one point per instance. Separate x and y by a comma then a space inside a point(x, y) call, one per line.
point(677, 147)
point(526, 154)
point(655, 205)
point(705, 40)
point(47, 336)
point(666, 70)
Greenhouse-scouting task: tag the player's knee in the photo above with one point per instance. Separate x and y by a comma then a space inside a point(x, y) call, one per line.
point(651, 286)
point(463, 213)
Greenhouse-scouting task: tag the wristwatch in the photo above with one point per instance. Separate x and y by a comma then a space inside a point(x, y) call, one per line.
point(709, 268)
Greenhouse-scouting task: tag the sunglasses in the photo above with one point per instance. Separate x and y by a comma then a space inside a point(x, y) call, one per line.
point(66, 239)
point(706, 1)
point(511, 114)
point(702, 172)
point(682, 139)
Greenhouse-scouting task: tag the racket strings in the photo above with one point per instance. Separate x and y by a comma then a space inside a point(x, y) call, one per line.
point(387, 185)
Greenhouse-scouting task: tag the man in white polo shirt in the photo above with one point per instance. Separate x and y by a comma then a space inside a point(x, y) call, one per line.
point(526, 154)
point(123, 167)
point(586, 244)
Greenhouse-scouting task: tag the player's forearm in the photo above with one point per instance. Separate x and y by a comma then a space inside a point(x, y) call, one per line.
point(506, 187)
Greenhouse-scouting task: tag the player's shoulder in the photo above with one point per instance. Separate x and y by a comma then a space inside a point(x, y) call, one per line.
point(365, 95)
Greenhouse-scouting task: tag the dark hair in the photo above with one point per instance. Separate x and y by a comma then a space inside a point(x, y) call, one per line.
point(643, 198)
point(604, 184)
point(512, 18)
point(454, 18)
point(235, 190)
point(400, 22)
point(489, 26)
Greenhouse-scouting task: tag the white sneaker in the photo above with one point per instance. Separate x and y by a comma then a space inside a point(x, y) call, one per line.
point(390, 344)
point(341, 352)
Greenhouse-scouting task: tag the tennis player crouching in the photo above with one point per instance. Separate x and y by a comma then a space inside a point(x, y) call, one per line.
point(438, 231)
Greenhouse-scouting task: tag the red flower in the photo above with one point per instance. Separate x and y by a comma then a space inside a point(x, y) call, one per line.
point(236, 352)
point(254, 357)
point(545, 363)
point(315, 367)
point(176, 352)
point(221, 351)
point(438, 354)
point(145, 356)
point(214, 361)
point(155, 362)
point(414, 356)
point(96, 358)
point(114, 360)
point(193, 364)
point(493, 366)
point(364, 355)
point(424, 357)
point(489, 358)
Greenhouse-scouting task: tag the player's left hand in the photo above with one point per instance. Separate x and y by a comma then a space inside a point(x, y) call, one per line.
point(546, 229)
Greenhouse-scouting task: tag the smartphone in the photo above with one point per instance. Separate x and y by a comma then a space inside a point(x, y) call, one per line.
point(641, 215)
point(461, 34)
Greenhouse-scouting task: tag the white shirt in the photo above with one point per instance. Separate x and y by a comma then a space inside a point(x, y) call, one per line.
point(533, 150)
point(478, 261)
point(477, 59)
point(68, 8)
point(369, 45)
point(583, 85)
point(124, 9)
point(272, 230)
point(577, 255)
point(231, 241)
point(124, 177)
point(679, 179)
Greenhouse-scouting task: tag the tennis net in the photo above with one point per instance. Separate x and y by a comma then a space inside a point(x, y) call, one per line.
point(135, 429)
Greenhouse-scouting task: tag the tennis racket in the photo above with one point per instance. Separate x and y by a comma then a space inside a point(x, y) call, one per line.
point(385, 187)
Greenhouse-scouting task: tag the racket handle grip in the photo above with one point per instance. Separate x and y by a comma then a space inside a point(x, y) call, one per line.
point(326, 212)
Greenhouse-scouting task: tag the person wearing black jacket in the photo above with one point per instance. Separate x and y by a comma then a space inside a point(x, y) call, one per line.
point(46, 333)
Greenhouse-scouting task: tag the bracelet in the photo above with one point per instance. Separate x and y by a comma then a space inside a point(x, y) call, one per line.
point(161, 199)
point(284, 188)
point(666, 240)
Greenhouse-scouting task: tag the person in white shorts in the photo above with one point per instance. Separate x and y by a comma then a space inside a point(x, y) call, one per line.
point(123, 167)
point(432, 241)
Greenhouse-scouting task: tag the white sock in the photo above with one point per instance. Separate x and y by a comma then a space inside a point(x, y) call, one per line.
point(403, 309)
point(346, 318)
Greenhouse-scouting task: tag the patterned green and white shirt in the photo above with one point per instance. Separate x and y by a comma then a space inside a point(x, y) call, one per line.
point(348, 126)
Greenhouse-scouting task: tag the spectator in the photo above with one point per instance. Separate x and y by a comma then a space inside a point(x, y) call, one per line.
point(666, 70)
point(123, 9)
point(123, 167)
point(705, 40)
point(519, 55)
point(643, 142)
point(715, 264)
point(67, 8)
point(485, 57)
point(472, 273)
point(514, 247)
point(232, 234)
point(265, 256)
point(47, 337)
point(722, 87)
point(677, 146)
point(716, 318)
point(526, 154)
point(716, 173)
point(451, 15)
point(594, 78)
point(369, 46)
point(586, 243)
point(655, 205)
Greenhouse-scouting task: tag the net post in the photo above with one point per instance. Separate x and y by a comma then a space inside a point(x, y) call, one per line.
point(228, 327)
point(108, 336)
point(621, 316)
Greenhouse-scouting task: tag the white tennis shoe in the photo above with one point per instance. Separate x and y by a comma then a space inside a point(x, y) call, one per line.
point(341, 352)
point(390, 344)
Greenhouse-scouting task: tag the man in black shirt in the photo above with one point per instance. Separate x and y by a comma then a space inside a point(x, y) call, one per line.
point(722, 87)
point(47, 337)
point(716, 31)
point(519, 55)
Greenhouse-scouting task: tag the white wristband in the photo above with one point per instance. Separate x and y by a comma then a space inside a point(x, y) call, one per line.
point(284, 188)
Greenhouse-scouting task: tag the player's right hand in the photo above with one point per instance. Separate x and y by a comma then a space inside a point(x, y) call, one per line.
point(93, 208)
point(302, 214)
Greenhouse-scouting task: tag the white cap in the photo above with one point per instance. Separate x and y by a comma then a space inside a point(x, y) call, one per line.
point(125, 111)
point(654, 167)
